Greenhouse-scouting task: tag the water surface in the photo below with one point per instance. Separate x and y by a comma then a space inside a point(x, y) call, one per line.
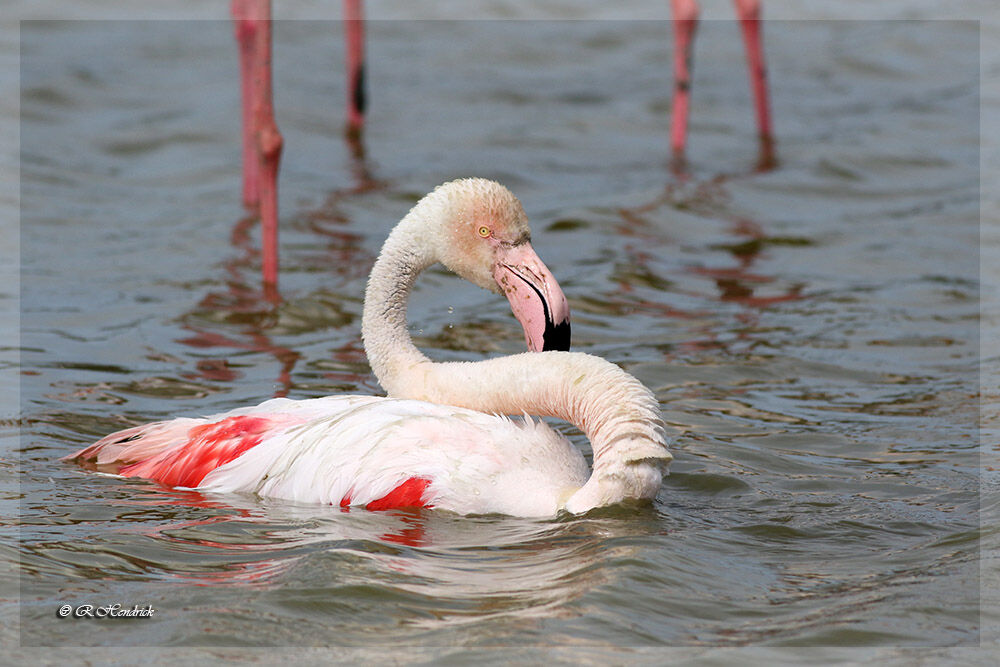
point(811, 331)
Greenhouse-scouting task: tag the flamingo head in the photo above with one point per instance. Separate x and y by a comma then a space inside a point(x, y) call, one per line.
point(486, 240)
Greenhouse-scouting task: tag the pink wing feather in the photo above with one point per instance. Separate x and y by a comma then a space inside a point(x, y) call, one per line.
point(178, 452)
point(181, 452)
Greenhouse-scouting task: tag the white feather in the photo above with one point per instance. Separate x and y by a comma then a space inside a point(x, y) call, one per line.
point(362, 448)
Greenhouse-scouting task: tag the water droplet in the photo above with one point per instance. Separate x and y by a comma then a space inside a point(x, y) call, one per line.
point(451, 309)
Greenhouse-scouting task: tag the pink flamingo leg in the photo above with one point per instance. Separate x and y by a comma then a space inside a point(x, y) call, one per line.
point(354, 28)
point(262, 141)
point(245, 41)
point(685, 18)
point(749, 14)
point(269, 144)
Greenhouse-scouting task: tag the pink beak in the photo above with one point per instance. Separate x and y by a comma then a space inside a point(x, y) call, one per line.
point(535, 297)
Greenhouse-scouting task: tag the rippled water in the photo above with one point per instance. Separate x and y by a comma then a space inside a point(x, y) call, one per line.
point(811, 331)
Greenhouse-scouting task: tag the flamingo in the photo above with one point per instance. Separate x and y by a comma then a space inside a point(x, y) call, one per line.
point(439, 439)
point(685, 19)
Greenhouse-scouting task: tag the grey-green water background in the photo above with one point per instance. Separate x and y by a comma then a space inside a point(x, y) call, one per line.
point(812, 332)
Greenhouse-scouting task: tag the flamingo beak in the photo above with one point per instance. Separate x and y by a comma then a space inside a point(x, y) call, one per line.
point(535, 297)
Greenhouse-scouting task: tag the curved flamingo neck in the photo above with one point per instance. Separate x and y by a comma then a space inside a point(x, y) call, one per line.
point(387, 341)
point(615, 411)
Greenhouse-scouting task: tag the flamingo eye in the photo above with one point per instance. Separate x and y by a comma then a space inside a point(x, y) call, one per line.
point(484, 231)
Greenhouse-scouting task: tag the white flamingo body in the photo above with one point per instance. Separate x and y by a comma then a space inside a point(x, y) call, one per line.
point(356, 450)
point(439, 440)
point(473, 463)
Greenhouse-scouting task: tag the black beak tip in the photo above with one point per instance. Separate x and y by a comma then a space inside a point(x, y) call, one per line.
point(556, 336)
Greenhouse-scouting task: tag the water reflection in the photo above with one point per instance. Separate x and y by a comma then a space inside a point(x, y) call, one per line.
point(739, 284)
point(254, 309)
point(646, 228)
point(344, 254)
point(448, 569)
point(257, 313)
